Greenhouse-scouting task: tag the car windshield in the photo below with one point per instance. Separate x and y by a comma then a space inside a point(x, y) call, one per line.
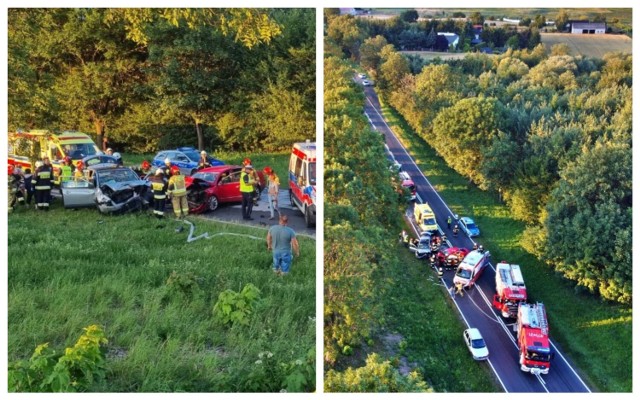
point(193, 155)
point(312, 173)
point(429, 221)
point(477, 343)
point(463, 273)
point(471, 226)
point(79, 151)
point(116, 175)
point(205, 176)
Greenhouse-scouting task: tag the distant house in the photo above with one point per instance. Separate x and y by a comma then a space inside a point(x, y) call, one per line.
point(597, 28)
point(348, 11)
point(477, 30)
point(452, 38)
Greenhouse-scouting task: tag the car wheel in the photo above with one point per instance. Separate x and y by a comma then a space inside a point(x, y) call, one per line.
point(213, 203)
point(307, 218)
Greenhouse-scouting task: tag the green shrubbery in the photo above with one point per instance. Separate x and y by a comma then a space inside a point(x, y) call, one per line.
point(73, 370)
point(236, 307)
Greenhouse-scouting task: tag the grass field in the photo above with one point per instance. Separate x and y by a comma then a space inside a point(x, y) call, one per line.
point(595, 334)
point(589, 45)
point(70, 269)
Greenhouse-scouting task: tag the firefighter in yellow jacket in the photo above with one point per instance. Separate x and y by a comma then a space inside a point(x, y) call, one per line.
point(178, 193)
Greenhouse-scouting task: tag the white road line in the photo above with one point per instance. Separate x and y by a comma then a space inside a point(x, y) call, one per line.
point(491, 265)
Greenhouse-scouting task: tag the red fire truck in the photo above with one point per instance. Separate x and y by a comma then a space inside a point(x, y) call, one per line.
point(533, 339)
point(302, 180)
point(510, 289)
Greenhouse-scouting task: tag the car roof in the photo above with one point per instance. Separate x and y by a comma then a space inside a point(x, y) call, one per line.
point(219, 168)
point(474, 333)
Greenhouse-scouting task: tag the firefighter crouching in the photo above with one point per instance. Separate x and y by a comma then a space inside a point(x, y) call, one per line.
point(159, 187)
point(14, 185)
point(42, 181)
point(178, 192)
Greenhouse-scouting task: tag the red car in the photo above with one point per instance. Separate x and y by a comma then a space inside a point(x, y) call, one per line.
point(209, 187)
point(451, 257)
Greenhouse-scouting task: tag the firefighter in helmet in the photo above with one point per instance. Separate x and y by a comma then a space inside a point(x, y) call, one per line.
point(159, 186)
point(42, 181)
point(177, 190)
point(145, 167)
point(203, 162)
point(167, 168)
point(13, 184)
point(257, 189)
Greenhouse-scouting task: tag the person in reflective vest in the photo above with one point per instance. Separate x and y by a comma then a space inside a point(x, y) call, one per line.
point(257, 189)
point(178, 192)
point(247, 190)
point(66, 171)
point(42, 181)
point(79, 174)
point(159, 187)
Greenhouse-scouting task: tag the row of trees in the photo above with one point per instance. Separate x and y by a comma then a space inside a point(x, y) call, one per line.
point(237, 78)
point(551, 133)
point(361, 209)
point(422, 35)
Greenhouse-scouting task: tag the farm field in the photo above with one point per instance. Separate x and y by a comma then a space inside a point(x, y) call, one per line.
point(589, 45)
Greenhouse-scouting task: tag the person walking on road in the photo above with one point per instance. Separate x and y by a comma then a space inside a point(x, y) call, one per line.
point(281, 240)
point(459, 289)
point(247, 190)
point(449, 222)
point(273, 189)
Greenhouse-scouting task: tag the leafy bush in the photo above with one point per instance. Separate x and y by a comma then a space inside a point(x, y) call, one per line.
point(233, 307)
point(186, 283)
point(73, 371)
point(375, 377)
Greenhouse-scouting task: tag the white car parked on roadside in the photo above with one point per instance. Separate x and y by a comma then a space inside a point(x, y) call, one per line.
point(474, 341)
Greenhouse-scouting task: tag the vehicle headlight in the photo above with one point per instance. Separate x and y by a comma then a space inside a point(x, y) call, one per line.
point(101, 197)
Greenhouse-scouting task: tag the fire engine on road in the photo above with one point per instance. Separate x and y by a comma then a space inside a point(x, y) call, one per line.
point(510, 289)
point(533, 339)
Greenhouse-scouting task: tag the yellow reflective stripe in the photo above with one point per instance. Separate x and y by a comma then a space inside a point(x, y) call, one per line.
point(43, 187)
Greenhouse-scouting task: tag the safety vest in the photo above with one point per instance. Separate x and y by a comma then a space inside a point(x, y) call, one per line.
point(159, 189)
point(65, 174)
point(42, 179)
point(248, 186)
point(177, 185)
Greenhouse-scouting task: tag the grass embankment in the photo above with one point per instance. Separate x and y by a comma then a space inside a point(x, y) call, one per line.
point(70, 269)
point(595, 334)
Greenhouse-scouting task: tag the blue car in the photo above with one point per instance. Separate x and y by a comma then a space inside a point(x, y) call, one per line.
point(469, 227)
point(185, 158)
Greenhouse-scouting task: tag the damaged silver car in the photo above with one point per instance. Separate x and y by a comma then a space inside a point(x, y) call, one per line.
point(113, 189)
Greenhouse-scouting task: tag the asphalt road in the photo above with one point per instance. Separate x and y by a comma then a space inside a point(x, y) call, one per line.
point(232, 213)
point(475, 307)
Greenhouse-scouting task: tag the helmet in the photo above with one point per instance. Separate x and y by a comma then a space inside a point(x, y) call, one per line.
point(455, 216)
point(109, 150)
point(203, 153)
point(11, 169)
point(480, 248)
point(167, 161)
point(146, 165)
point(268, 170)
point(39, 164)
point(175, 170)
point(159, 171)
point(246, 161)
point(67, 159)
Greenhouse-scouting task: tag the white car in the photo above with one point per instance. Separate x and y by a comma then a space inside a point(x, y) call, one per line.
point(366, 83)
point(362, 76)
point(474, 341)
